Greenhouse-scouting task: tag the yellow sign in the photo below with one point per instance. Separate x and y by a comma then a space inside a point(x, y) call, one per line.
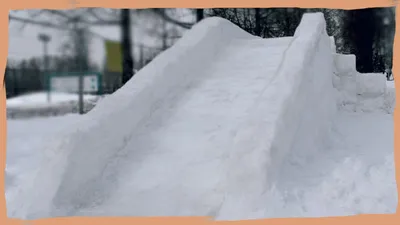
point(113, 56)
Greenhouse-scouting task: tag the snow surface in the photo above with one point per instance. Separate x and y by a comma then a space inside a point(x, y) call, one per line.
point(39, 99)
point(353, 175)
point(25, 140)
point(222, 124)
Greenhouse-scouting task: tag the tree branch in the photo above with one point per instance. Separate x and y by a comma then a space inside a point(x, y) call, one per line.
point(93, 12)
point(39, 23)
point(62, 26)
point(58, 13)
point(163, 15)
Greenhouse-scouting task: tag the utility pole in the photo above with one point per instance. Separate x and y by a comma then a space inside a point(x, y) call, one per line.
point(45, 39)
point(78, 31)
point(141, 52)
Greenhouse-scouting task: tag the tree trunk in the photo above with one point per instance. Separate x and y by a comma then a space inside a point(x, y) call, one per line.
point(258, 22)
point(127, 58)
point(361, 28)
point(199, 14)
point(164, 35)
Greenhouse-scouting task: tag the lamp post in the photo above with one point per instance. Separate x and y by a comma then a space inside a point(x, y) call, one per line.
point(45, 39)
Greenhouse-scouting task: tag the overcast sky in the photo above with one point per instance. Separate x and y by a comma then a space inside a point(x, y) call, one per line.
point(24, 43)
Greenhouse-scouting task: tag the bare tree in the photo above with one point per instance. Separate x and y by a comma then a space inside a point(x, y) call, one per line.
point(166, 15)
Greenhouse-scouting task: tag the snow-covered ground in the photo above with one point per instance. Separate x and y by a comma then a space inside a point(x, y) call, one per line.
point(39, 100)
point(37, 105)
point(25, 140)
point(353, 175)
point(222, 124)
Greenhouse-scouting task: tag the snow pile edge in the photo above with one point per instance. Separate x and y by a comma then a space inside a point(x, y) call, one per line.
point(371, 92)
point(364, 92)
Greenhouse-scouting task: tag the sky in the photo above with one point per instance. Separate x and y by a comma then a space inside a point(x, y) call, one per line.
point(24, 43)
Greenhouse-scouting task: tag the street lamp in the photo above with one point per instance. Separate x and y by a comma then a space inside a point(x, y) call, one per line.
point(45, 39)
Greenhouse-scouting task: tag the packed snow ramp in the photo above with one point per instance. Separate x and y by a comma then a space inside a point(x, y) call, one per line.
point(200, 131)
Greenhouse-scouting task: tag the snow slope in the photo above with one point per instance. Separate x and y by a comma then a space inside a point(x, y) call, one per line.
point(25, 140)
point(231, 107)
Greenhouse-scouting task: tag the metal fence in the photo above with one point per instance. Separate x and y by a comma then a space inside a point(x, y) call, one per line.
point(25, 80)
point(21, 81)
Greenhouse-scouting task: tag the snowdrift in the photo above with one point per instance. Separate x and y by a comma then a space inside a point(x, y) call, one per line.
point(200, 131)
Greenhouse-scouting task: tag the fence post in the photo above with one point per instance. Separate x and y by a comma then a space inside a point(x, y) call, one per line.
point(141, 56)
point(15, 81)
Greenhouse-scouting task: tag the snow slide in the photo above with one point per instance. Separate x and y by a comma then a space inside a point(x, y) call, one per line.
point(200, 131)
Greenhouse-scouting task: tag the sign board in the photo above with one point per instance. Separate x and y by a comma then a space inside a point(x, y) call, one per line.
point(69, 82)
point(113, 56)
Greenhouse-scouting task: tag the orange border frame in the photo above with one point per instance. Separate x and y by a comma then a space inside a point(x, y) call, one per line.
point(59, 4)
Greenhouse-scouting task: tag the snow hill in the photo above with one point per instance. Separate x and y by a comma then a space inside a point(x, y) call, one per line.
point(203, 129)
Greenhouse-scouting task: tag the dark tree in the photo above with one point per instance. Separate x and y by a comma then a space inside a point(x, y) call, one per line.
point(288, 19)
point(199, 14)
point(360, 28)
point(127, 68)
point(258, 21)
